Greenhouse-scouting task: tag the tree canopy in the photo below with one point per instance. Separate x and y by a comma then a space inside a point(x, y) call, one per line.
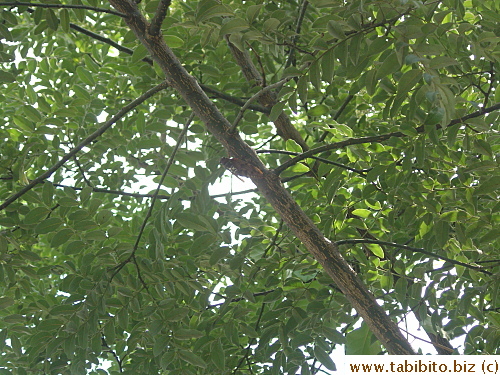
point(366, 131)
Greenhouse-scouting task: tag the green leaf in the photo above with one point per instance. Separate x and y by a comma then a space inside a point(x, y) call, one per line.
point(276, 111)
point(270, 25)
point(74, 247)
point(52, 19)
point(319, 110)
point(177, 314)
point(48, 225)
point(64, 310)
point(194, 222)
point(335, 29)
point(140, 52)
point(186, 334)
point(291, 145)
point(64, 19)
point(217, 355)
point(85, 76)
point(324, 358)
point(173, 41)
point(192, 358)
point(362, 212)
point(302, 88)
point(328, 65)
point(253, 11)
point(488, 186)
point(218, 254)
point(407, 81)
point(233, 26)
point(36, 215)
point(315, 75)
point(376, 249)
point(211, 8)
point(48, 193)
point(389, 66)
point(359, 342)
point(442, 62)
point(6, 77)
point(6, 302)
point(49, 325)
point(61, 237)
point(32, 113)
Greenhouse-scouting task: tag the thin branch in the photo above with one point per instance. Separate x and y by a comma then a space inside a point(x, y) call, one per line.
point(283, 123)
point(326, 161)
point(254, 97)
point(414, 249)
point(446, 349)
point(153, 201)
point(113, 353)
point(334, 146)
point(376, 138)
point(84, 143)
point(295, 38)
point(61, 6)
point(159, 196)
point(116, 192)
point(107, 41)
point(82, 171)
point(161, 12)
point(234, 100)
point(128, 51)
point(337, 115)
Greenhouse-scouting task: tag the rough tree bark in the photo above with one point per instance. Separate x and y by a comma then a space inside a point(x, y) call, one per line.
point(323, 250)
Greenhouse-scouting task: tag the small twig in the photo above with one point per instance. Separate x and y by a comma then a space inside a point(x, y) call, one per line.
point(295, 38)
point(161, 12)
point(82, 171)
point(326, 161)
point(153, 201)
point(113, 353)
point(254, 97)
point(435, 344)
point(337, 115)
point(262, 70)
point(491, 86)
point(61, 6)
point(84, 143)
point(233, 99)
point(107, 41)
point(415, 249)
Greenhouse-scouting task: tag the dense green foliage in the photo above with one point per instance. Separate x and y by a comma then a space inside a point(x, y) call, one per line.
point(218, 284)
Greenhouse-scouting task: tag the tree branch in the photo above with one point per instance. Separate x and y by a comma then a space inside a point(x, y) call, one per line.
point(234, 100)
point(161, 12)
point(295, 38)
point(82, 144)
point(254, 97)
point(376, 138)
point(269, 184)
point(153, 201)
point(107, 41)
point(283, 124)
point(211, 90)
point(323, 160)
point(337, 114)
point(415, 249)
point(61, 6)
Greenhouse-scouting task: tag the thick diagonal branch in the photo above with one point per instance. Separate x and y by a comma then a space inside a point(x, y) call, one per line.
point(283, 124)
point(323, 250)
